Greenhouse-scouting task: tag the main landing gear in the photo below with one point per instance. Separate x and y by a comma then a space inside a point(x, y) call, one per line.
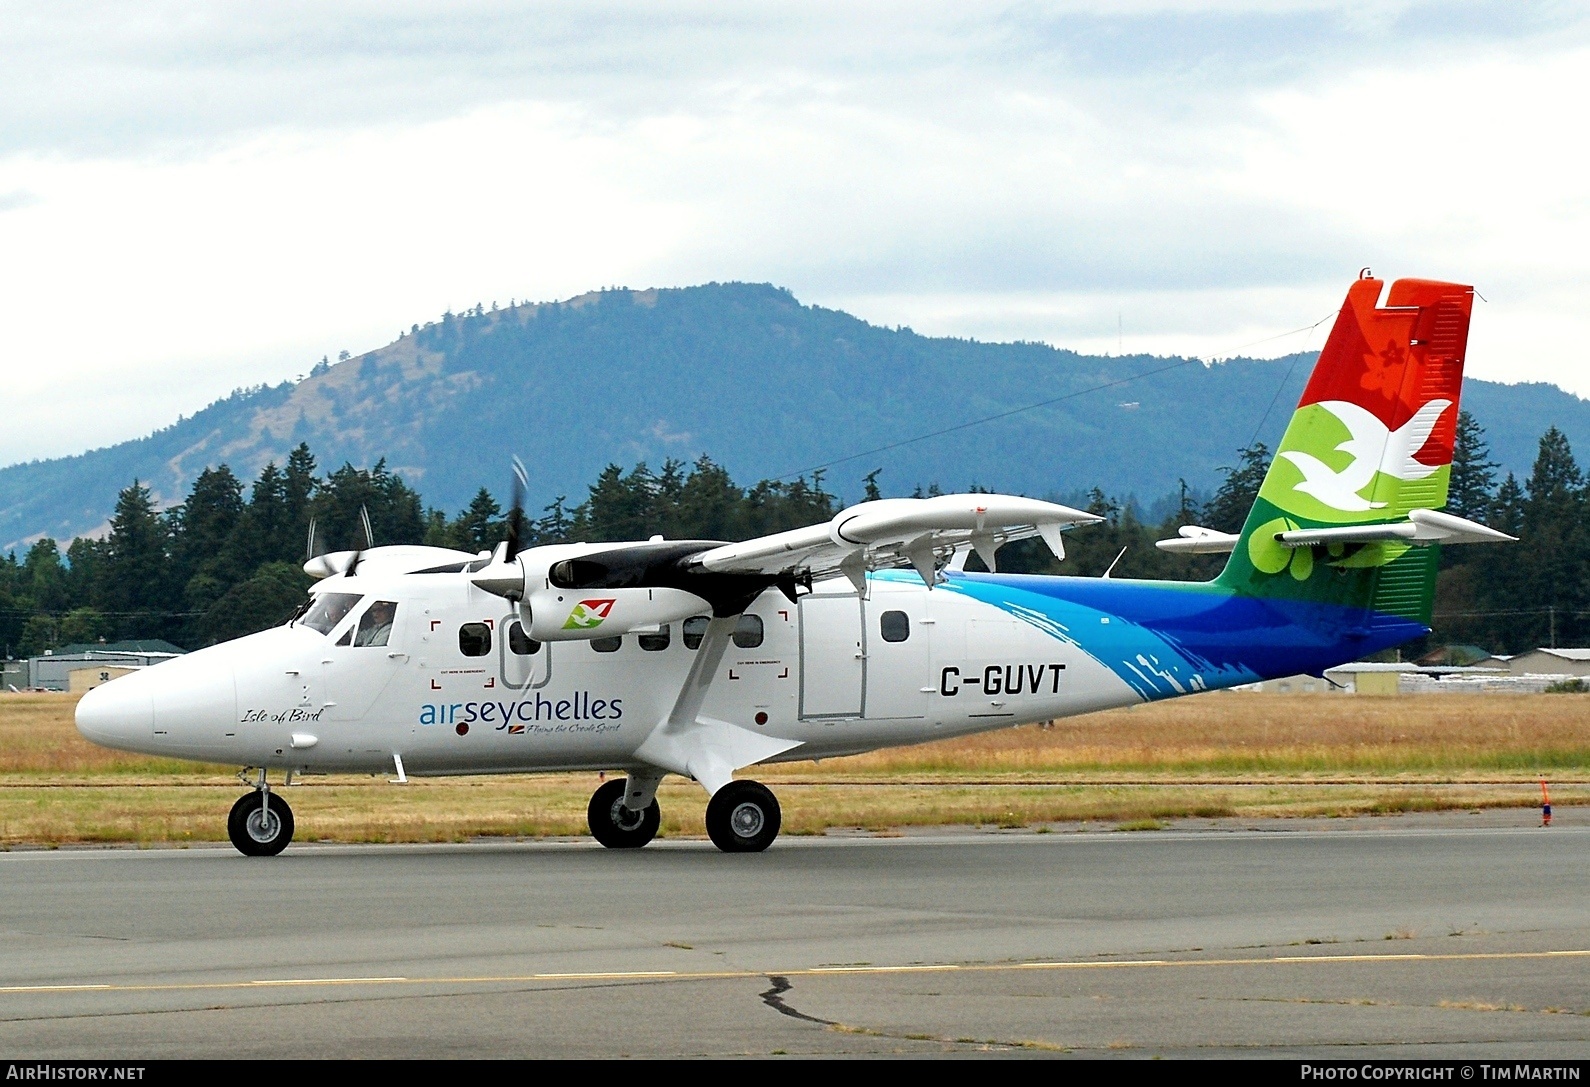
point(742, 817)
point(261, 823)
point(617, 826)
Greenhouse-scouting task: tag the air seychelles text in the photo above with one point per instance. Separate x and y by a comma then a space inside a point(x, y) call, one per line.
point(579, 706)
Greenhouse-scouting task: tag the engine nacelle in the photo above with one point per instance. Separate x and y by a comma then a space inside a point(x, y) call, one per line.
point(567, 615)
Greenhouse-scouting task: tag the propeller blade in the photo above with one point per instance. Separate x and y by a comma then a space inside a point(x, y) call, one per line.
point(521, 483)
point(309, 547)
point(369, 542)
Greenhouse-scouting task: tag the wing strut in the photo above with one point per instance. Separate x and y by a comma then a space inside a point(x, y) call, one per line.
point(700, 747)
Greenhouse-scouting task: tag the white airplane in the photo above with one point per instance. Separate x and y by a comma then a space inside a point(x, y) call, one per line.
point(701, 658)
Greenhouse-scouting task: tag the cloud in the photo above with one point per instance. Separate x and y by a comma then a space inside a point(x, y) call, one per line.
point(206, 196)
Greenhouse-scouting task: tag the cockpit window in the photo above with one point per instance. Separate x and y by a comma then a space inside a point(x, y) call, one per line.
point(328, 610)
point(375, 625)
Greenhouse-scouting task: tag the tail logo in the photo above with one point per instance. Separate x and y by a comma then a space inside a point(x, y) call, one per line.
point(1373, 447)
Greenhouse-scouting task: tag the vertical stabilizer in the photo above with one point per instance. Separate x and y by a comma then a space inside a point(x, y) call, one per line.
point(1371, 439)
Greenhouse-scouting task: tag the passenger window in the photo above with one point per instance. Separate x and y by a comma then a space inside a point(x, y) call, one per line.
point(653, 643)
point(895, 626)
point(607, 645)
point(748, 632)
point(375, 625)
point(521, 643)
point(328, 610)
point(474, 639)
point(695, 630)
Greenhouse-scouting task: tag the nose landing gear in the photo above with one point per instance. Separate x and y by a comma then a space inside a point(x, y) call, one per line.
point(261, 823)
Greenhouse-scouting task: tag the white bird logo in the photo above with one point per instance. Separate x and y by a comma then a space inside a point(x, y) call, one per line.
point(1373, 447)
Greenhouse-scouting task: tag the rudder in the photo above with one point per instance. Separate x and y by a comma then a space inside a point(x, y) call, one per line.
point(1371, 440)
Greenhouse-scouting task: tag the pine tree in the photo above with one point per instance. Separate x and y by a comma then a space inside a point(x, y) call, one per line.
point(872, 493)
point(1554, 531)
point(264, 532)
point(620, 506)
point(135, 576)
point(1473, 471)
point(203, 525)
point(43, 578)
point(1228, 509)
point(710, 504)
point(481, 526)
point(299, 484)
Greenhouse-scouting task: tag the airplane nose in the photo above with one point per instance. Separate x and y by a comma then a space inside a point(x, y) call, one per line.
point(118, 714)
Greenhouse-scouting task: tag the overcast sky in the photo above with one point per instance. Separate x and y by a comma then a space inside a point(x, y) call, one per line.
point(195, 197)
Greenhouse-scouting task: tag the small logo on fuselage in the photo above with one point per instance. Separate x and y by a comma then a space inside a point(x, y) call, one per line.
point(588, 614)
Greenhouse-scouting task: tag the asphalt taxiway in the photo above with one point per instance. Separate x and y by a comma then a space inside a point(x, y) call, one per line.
point(1430, 936)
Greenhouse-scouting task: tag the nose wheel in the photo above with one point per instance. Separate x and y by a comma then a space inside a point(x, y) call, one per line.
point(261, 824)
point(743, 817)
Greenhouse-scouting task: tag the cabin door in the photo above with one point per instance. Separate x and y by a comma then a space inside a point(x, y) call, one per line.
point(833, 656)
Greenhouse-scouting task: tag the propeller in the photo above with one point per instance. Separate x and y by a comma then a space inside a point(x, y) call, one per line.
point(521, 483)
point(494, 578)
point(309, 547)
point(369, 542)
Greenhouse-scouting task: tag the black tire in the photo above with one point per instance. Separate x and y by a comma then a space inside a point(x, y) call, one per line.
point(743, 817)
point(616, 826)
point(252, 839)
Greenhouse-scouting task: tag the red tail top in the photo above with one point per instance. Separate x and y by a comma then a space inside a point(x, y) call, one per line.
point(1393, 361)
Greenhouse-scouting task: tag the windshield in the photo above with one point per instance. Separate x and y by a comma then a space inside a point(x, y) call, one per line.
point(328, 610)
point(375, 626)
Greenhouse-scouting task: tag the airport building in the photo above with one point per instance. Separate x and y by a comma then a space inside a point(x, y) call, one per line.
point(1557, 662)
point(1448, 670)
point(82, 667)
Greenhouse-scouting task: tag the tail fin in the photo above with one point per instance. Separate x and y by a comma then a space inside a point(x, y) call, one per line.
point(1371, 440)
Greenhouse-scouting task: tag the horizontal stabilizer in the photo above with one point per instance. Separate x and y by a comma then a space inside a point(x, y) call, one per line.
point(1195, 540)
point(1421, 527)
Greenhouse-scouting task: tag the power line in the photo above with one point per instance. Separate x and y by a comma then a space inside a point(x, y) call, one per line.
point(1053, 400)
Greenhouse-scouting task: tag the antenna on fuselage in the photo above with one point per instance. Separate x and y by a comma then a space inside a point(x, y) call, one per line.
point(1111, 568)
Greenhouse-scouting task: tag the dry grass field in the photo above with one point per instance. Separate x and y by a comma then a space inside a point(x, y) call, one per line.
point(1223, 754)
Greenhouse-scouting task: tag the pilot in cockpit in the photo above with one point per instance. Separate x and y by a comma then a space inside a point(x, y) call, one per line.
point(375, 626)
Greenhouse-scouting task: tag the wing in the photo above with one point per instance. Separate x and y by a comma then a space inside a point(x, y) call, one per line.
point(923, 532)
point(663, 581)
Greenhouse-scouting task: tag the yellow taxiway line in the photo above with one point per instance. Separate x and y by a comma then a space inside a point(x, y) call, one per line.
point(814, 971)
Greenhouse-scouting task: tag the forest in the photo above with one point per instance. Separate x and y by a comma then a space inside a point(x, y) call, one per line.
point(228, 559)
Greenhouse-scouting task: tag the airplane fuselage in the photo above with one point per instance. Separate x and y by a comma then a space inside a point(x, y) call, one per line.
point(456, 687)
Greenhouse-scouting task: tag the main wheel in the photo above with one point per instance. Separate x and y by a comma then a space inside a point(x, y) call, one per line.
point(743, 817)
point(616, 826)
point(258, 832)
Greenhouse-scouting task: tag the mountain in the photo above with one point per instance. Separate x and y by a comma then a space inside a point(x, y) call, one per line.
point(745, 374)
